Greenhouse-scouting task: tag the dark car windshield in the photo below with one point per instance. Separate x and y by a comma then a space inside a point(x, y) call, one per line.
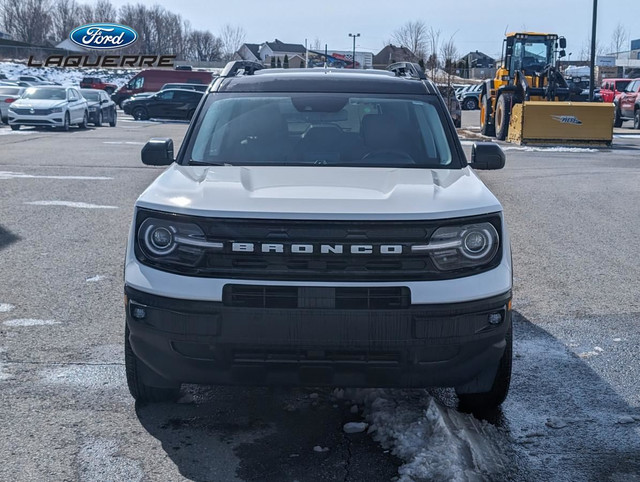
point(93, 96)
point(45, 94)
point(322, 129)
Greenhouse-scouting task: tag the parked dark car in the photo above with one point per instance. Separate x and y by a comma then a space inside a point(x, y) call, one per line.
point(198, 87)
point(170, 104)
point(101, 108)
point(470, 98)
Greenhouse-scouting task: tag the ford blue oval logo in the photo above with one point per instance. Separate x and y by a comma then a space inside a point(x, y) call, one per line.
point(103, 36)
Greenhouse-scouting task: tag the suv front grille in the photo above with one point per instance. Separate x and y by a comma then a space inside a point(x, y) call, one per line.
point(316, 266)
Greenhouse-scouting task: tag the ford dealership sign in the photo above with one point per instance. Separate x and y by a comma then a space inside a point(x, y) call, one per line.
point(103, 36)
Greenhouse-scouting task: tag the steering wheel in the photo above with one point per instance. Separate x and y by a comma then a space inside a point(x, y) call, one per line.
point(385, 154)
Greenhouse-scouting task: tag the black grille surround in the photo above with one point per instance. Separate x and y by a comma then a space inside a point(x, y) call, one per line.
point(315, 267)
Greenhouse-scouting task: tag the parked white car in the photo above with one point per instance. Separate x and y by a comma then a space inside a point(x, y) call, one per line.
point(49, 106)
point(8, 95)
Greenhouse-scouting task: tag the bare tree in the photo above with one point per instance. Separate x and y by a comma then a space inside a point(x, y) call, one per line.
point(103, 11)
point(449, 55)
point(585, 49)
point(433, 43)
point(232, 38)
point(26, 20)
point(64, 18)
point(414, 36)
point(316, 44)
point(619, 38)
point(204, 46)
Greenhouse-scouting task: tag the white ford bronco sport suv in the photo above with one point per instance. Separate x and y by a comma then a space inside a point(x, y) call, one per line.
point(319, 227)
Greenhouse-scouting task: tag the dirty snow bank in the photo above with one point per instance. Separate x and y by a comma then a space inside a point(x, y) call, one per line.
point(67, 75)
point(435, 442)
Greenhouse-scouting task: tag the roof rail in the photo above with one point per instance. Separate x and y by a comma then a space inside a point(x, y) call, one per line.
point(246, 66)
point(407, 69)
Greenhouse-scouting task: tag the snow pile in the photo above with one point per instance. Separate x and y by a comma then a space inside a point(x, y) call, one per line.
point(67, 75)
point(548, 149)
point(435, 442)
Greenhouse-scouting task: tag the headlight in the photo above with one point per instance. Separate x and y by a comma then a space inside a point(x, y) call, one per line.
point(56, 110)
point(170, 242)
point(455, 247)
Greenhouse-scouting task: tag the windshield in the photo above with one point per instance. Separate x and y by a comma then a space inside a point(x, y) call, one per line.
point(531, 54)
point(95, 96)
point(321, 129)
point(45, 94)
point(621, 85)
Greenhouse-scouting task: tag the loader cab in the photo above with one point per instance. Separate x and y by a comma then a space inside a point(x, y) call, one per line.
point(530, 52)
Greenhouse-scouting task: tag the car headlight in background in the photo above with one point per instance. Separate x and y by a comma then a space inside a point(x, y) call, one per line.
point(56, 110)
point(468, 246)
point(173, 242)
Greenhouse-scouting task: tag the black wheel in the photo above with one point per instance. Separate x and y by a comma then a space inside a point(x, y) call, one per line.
point(114, 118)
point(85, 121)
point(100, 118)
point(137, 387)
point(15, 127)
point(140, 113)
point(636, 119)
point(65, 126)
point(470, 103)
point(479, 402)
point(503, 116)
point(486, 126)
point(617, 121)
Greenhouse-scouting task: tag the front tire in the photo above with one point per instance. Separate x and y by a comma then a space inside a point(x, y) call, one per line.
point(140, 113)
point(480, 402)
point(114, 118)
point(617, 121)
point(636, 119)
point(471, 103)
point(503, 116)
point(139, 390)
point(98, 122)
point(486, 126)
point(67, 122)
point(15, 127)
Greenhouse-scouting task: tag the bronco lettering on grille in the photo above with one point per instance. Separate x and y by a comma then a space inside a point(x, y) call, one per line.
point(328, 249)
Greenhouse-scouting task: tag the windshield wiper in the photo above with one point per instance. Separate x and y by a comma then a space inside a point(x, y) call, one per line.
point(207, 163)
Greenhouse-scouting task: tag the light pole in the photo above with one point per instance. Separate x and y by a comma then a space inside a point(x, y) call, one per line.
point(353, 61)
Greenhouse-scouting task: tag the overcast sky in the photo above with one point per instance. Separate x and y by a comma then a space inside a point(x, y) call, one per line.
point(475, 24)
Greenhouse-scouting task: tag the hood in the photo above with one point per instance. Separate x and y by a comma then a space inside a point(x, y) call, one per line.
point(319, 192)
point(39, 103)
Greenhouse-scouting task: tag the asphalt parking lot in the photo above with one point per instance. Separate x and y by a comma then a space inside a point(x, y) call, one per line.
point(573, 412)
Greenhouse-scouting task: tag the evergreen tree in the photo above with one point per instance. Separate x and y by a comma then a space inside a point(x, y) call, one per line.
point(285, 64)
point(273, 62)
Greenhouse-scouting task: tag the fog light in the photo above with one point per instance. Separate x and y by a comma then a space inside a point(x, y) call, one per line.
point(495, 318)
point(139, 313)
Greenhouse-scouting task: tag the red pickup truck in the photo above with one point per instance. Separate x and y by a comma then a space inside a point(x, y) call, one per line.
point(97, 83)
point(626, 103)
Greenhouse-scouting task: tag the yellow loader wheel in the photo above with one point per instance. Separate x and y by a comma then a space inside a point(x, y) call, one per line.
point(503, 115)
point(486, 127)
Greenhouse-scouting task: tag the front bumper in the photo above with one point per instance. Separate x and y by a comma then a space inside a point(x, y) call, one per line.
point(55, 120)
point(207, 342)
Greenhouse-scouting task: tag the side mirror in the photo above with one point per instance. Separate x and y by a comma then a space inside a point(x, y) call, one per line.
point(563, 43)
point(562, 54)
point(487, 156)
point(158, 152)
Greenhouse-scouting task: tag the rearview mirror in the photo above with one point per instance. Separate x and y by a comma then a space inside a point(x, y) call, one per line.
point(563, 43)
point(158, 152)
point(487, 156)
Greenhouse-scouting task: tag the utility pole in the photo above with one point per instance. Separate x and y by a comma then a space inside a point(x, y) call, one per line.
point(592, 72)
point(353, 60)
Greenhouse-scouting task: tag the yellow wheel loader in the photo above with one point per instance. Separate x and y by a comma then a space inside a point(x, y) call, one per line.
point(528, 100)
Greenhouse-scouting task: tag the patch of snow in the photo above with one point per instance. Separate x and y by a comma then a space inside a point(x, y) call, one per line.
point(617, 339)
point(435, 442)
point(339, 393)
point(318, 448)
point(548, 149)
point(626, 419)
point(354, 427)
point(626, 136)
point(96, 278)
point(21, 175)
point(598, 349)
point(70, 204)
point(68, 75)
point(6, 307)
point(16, 133)
point(30, 322)
point(313, 396)
point(588, 354)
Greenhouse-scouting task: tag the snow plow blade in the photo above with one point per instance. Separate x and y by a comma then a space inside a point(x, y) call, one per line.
point(561, 123)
